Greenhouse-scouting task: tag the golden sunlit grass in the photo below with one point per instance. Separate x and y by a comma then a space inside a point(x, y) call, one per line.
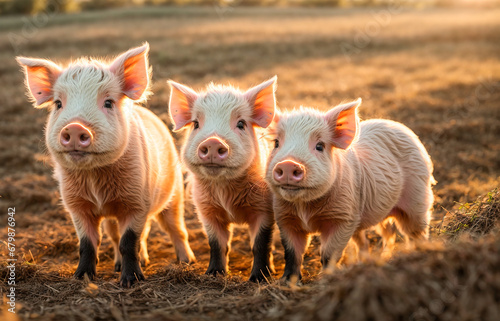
point(435, 70)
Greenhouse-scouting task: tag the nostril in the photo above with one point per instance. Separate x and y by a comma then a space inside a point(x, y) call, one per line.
point(279, 171)
point(298, 175)
point(65, 137)
point(204, 150)
point(222, 151)
point(84, 138)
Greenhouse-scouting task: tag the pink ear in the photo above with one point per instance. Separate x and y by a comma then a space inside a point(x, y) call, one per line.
point(40, 78)
point(343, 121)
point(181, 102)
point(262, 99)
point(132, 68)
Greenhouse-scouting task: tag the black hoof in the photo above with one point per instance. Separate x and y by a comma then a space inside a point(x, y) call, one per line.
point(118, 266)
point(259, 275)
point(258, 278)
point(80, 274)
point(215, 272)
point(289, 277)
point(128, 279)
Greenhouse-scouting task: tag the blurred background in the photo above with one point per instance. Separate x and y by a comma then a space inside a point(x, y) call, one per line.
point(36, 6)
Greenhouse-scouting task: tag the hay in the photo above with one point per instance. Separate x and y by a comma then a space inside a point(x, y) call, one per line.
point(448, 278)
point(477, 218)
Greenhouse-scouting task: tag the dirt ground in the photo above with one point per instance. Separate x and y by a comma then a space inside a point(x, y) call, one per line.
point(436, 70)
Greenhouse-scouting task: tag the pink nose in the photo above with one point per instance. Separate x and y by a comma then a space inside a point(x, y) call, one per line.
point(288, 172)
point(213, 150)
point(75, 137)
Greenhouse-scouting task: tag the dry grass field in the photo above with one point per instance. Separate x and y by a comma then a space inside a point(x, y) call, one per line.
point(436, 70)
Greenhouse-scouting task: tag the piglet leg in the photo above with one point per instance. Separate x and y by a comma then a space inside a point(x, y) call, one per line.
point(261, 233)
point(219, 236)
point(87, 227)
point(295, 241)
point(334, 240)
point(129, 249)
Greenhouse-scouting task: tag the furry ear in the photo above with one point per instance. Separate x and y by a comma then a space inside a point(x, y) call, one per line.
point(132, 69)
point(343, 121)
point(263, 100)
point(41, 76)
point(181, 102)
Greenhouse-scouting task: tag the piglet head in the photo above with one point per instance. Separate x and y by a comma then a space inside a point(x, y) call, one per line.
point(222, 122)
point(90, 105)
point(309, 148)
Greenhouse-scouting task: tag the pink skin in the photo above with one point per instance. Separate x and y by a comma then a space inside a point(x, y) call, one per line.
point(288, 173)
point(337, 177)
point(213, 150)
point(75, 136)
point(114, 161)
point(227, 159)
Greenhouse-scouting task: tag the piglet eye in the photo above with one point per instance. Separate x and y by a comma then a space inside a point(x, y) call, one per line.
point(108, 103)
point(276, 143)
point(196, 124)
point(241, 124)
point(58, 104)
point(320, 146)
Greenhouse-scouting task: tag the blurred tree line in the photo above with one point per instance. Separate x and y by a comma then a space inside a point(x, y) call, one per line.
point(37, 6)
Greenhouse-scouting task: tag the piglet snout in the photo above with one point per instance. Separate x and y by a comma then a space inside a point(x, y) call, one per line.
point(288, 172)
point(213, 150)
point(75, 137)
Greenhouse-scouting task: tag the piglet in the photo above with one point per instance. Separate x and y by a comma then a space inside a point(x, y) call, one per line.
point(226, 156)
point(113, 160)
point(334, 175)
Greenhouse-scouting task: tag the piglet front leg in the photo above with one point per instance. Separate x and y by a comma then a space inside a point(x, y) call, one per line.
point(129, 249)
point(88, 259)
point(261, 232)
point(218, 257)
point(219, 235)
point(334, 239)
point(87, 227)
point(295, 240)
